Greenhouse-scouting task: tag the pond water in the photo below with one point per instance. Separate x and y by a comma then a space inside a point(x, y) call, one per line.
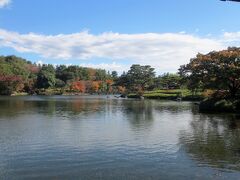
point(73, 137)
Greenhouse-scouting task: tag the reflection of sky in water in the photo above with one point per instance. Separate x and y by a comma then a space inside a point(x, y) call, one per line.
point(112, 138)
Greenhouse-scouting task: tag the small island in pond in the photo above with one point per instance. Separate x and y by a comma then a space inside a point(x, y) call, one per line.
point(213, 79)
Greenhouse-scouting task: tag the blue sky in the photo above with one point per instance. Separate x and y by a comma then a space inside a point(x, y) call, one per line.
point(113, 34)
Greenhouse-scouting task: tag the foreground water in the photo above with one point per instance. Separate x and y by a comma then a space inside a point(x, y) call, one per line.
point(103, 138)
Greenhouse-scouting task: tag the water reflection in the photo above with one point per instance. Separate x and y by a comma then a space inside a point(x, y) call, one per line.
point(73, 105)
point(107, 138)
point(213, 140)
point(173, 107)
point(139, 113)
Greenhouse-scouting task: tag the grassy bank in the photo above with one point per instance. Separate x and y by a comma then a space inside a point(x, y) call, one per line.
point(19, 94)
point(184, 94)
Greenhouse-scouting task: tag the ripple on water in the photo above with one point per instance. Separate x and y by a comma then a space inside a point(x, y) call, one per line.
point(98, 138)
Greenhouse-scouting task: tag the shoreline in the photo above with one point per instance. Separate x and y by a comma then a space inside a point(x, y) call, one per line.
point(205, 105)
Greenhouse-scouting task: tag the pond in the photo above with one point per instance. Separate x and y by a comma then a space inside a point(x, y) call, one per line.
point(74, 137)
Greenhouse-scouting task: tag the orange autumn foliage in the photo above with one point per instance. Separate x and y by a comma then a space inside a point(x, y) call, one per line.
point(95, 85)
point(78, 86)
point(121, 89)
point(109, 81)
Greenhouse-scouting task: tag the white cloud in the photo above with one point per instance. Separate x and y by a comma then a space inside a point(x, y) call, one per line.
point(108, 67)
point(232, 36)
point(4, 3)
point(166, 51)
point(39, 63)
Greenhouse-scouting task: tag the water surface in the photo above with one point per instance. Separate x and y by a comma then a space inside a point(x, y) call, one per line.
point(74, 137)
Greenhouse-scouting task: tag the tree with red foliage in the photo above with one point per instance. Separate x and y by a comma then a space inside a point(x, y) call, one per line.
point(95, 86)
point(217, 70)
point(10, 83)
point(78, 86)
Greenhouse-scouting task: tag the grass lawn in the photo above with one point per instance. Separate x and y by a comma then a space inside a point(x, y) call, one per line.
point(185, 94)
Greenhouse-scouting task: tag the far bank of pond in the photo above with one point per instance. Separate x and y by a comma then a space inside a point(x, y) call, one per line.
point(171, 94)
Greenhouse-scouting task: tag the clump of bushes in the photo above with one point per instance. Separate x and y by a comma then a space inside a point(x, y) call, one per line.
point(50, 91)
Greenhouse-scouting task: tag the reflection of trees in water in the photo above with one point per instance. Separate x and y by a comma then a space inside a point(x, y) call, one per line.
point(172, 106)
point(11, 108)
point(214, 140)
point(139, 113)
point(82, 106)
point(15, 106)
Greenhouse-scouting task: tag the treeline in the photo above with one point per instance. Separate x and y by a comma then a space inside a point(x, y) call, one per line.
point(18, 75)
point(143, 78)
point(216, 73)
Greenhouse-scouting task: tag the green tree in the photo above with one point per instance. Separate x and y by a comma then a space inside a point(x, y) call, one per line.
point(46, 76)
point(168, 81)
point(100, 75)
point(114, 75)
point(138, 78)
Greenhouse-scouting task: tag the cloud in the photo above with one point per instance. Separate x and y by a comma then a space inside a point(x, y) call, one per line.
point(4, 3)
point(108, 67)
point(39, 63)
point(232, 36)
point(166, 51)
